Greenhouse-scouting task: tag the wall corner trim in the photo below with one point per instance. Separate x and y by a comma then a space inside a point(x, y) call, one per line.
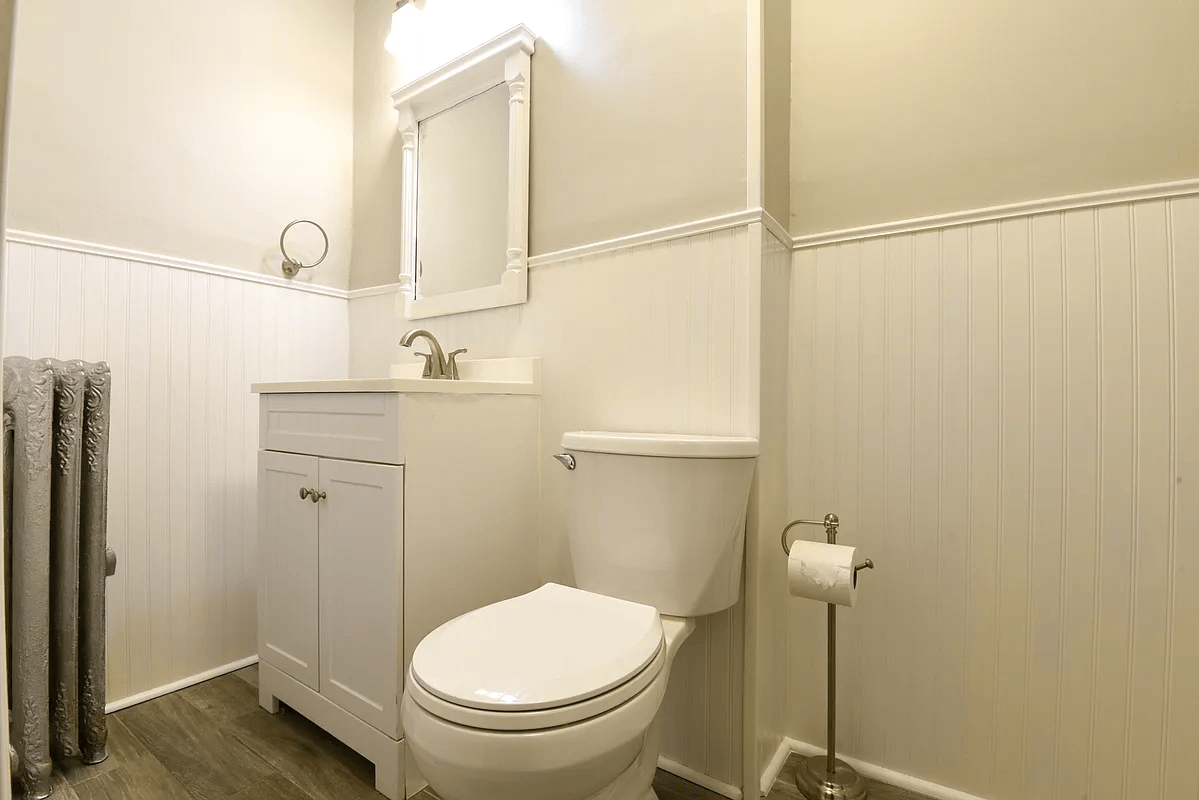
point(872, 771)
point(1106, 197)
point(140, 257)
point(699, 778)
point(775, 227)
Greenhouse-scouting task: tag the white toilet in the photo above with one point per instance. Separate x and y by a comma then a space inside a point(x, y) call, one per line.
point(557, 694)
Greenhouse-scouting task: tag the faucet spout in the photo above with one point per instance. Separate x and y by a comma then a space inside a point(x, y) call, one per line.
point(435, 364)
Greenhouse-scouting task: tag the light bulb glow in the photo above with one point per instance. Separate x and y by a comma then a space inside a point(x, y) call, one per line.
point(402, 20)
point(427, 33)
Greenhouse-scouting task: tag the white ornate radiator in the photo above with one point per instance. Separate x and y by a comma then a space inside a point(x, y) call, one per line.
point(56, 418)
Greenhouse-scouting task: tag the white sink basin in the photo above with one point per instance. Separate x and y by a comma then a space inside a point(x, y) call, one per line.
point(478, 376)
point(480, 370)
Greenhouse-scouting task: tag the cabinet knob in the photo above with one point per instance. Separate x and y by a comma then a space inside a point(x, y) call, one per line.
point(304, 494)
point(316, 496)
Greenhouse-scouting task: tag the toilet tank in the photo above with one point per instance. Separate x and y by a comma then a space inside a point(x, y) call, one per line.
point(659, 519)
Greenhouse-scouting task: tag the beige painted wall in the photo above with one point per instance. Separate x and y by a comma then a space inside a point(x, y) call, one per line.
point(638, 115)
point(908, 109)
point(195, 130)
point(776, 108)
point(378, 167)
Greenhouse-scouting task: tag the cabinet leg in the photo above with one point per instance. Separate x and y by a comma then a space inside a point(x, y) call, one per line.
point(389, 774)
point(267, 700)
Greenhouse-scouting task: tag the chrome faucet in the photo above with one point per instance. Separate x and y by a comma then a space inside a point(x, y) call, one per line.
point(437, 365)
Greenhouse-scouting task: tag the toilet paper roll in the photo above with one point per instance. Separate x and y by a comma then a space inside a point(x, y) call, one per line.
point(824, 572)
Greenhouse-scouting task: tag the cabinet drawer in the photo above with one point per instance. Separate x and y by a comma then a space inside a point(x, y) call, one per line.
point(363, 426)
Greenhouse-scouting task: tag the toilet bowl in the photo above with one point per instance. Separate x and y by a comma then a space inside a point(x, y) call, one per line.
point(557, 694)
point(548, 709)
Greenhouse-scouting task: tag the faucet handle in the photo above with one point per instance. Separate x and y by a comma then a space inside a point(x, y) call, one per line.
point(428, 357)
point(451, 364)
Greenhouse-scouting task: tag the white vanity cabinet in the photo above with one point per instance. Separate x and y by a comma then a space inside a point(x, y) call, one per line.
point(331, 591)
point(381, 515)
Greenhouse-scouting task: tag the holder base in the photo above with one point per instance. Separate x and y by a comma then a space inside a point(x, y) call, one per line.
point(815, 783)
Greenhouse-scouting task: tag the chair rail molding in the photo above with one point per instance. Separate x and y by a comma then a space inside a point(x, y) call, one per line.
point(683, 230)
point(158, 260)
point(1106, 197)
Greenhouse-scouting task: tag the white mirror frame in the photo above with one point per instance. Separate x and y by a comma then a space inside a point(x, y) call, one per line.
point(505, 59)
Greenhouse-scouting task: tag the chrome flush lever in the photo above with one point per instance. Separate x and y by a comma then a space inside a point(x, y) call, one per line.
point(566, 460)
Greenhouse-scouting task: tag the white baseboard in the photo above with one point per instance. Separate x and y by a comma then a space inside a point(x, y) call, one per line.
point(699, 779)
point(775, 766)
point(866, 769)
point(159, 691)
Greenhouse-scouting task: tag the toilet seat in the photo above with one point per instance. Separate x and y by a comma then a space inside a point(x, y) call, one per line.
point(551, 657)
point(517, 721)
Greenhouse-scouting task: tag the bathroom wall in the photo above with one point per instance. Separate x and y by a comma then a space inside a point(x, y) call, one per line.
point(903, 110)
point(1000, 413)
point(640, 120)
point(184, 345)
point(638, 115)
point(194, 130)
point(157, 151)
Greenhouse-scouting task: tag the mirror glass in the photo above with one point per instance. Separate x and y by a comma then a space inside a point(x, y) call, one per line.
point(462, 195)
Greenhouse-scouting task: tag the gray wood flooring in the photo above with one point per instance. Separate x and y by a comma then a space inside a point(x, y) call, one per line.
point(212, 741)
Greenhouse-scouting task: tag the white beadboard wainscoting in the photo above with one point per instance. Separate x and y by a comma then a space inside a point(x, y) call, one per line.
point(1003, 415)
point(653, 337)
point(184, 342)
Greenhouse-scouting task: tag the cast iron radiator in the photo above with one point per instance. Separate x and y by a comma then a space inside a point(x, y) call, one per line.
point(56, 419)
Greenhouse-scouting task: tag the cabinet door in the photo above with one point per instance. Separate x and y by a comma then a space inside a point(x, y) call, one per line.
point(287, 556)
point(361, 566)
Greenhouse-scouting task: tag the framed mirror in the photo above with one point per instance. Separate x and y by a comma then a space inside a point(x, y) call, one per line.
point(465, 205)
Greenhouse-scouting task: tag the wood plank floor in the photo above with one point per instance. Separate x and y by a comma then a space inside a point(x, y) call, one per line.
point(212, 741)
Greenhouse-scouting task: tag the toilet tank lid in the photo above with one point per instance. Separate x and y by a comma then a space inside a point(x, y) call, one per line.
point(668, 445)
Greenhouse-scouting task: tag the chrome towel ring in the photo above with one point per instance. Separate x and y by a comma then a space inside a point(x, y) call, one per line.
point(292, 267)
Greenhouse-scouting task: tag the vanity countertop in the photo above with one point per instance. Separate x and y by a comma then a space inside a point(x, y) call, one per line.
point(481, 376)
point(396, 385)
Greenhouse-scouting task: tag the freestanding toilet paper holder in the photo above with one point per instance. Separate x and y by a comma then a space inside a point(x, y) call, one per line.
point(825, 777)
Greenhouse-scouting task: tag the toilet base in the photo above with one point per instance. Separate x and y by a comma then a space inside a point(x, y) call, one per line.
point(466, 763)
